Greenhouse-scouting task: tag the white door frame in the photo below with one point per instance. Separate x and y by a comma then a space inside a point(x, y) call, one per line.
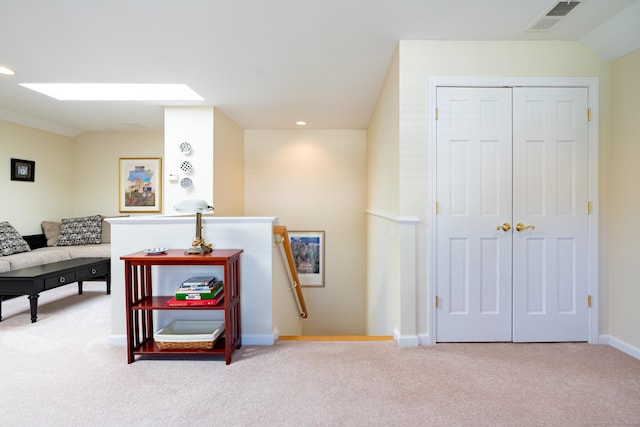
point(592, 85)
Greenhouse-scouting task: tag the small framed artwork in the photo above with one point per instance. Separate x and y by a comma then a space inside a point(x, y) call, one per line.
point(308, 254)
point(23, 170)
point(140, 184)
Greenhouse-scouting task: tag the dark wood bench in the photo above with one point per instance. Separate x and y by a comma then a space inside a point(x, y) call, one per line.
point(32, 281)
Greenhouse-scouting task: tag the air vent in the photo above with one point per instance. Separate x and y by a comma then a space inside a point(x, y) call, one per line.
point(552, 17)
point(563, 8)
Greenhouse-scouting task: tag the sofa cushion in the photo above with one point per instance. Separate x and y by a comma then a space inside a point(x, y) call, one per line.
point(11, 242)
point(51, 230)
point(80, 231)
point(4, 266)
point(88, 251)
point(37, 257)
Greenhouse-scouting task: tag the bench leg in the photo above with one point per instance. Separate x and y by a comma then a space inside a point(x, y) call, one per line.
point(80, 287)
point(33, 301)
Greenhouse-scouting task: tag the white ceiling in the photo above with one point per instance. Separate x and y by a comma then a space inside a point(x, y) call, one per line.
point(265, 63)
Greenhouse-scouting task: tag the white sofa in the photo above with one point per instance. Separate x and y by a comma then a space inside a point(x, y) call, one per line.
point(44, 250)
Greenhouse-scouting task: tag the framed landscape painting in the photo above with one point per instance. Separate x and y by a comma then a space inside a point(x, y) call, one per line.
point(308, 255)
point(140, 184)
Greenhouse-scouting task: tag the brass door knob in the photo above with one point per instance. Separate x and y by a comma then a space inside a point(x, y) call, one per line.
point(521, 227)
point(504, 227)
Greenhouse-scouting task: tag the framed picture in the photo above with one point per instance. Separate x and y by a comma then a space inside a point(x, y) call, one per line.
point(308, 254)
point(23, 170)
point(140, 184)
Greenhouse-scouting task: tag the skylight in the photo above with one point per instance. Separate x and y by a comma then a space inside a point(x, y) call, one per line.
point(115, 91)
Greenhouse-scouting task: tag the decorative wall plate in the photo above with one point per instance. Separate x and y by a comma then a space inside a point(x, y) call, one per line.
point(186, 166)
point(185, 148)
point(186, 183)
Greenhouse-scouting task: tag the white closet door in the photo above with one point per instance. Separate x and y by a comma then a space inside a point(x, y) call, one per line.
point(550, 261)
point(474, 198)
point(527, 283)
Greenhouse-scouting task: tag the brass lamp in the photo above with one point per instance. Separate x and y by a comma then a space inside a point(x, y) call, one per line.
point(198, 245)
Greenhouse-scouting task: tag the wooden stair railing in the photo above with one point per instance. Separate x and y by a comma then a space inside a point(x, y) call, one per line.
point(281, 231)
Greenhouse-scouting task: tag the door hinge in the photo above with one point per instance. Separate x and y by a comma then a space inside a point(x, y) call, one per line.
point(589, 114)
point(589, 301)
point(437, 302)
point(589, 208)
point(436, 113)
point(437, 207)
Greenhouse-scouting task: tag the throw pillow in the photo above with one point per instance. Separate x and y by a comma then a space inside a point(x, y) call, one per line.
point(51, 230)
point(84, 230)
point(11, 242)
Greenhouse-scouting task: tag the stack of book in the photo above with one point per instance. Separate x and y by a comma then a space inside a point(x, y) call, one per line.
point(198, 291)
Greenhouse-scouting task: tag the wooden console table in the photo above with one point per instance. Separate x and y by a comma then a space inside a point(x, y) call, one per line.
point(141, 303)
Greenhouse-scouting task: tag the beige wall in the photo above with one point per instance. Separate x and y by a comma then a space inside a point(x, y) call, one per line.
point(383, 278)
point(420, 60)
point(79, 176)
point(315, 180)
point(26, 204)
point(623, 225)
point(95, 167)
point(383, 136)
point(228, 166)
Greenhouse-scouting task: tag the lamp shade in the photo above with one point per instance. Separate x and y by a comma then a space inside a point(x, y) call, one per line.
point(193, 205)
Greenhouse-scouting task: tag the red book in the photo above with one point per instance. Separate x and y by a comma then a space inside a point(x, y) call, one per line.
point(173, 302)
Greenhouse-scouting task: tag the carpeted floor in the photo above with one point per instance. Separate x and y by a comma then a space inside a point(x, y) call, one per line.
point(61, 372)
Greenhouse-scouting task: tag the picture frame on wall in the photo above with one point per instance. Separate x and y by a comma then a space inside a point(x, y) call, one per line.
point(308, 255)
point(140, 184)
point(23, 170)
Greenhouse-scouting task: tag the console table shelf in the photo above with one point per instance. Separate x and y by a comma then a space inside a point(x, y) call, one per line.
point(160, 303)
point(141, 303)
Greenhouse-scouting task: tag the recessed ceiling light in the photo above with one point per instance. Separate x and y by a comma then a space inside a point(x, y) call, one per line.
point(6, 70)
point(115, 91)
point(301, 123)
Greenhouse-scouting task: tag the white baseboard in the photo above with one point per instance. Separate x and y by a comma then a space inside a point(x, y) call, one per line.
point(621, 345)
point(405, 340)
point(258, 339)
point(424, 339)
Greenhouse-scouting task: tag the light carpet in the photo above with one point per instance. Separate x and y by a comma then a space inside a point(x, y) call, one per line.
point(61, 372)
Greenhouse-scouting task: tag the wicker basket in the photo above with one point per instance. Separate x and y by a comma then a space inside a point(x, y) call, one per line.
point(194, 345)
point(189, 335)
